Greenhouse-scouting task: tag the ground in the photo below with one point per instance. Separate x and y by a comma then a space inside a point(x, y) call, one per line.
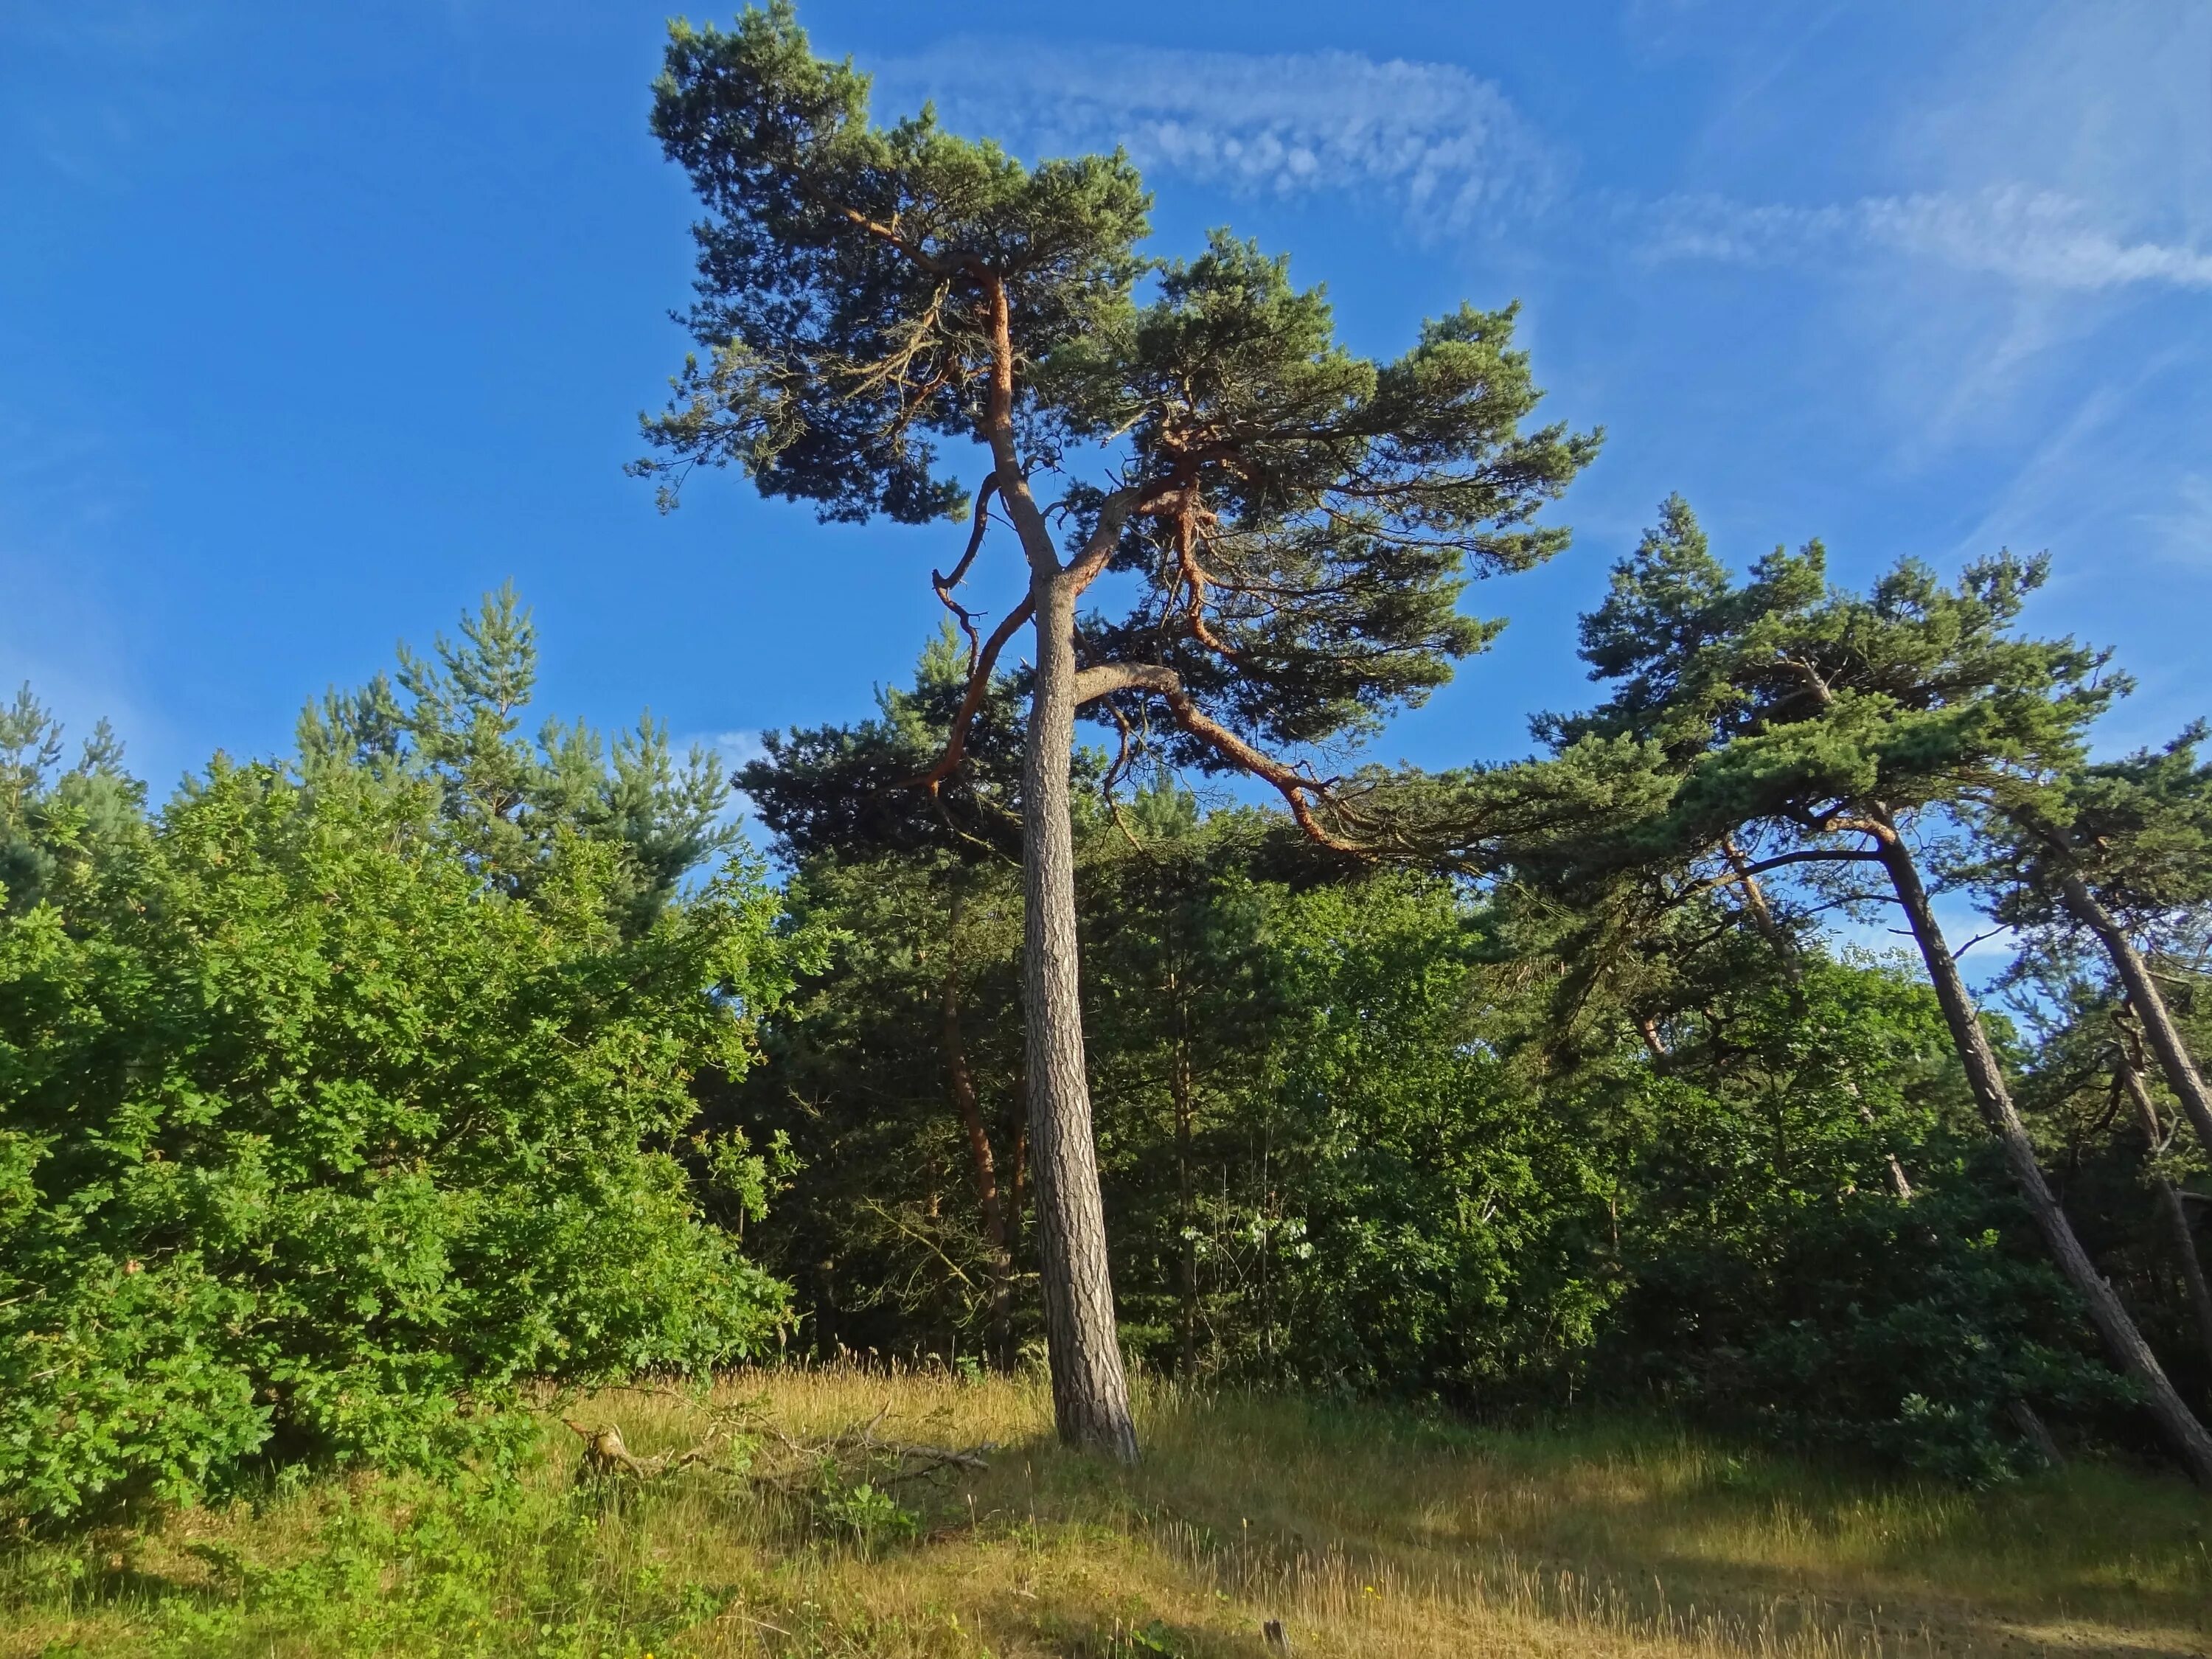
point(1361, 1531)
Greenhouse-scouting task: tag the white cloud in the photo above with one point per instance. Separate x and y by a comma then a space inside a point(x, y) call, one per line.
point(735, 748)
point(2031, 239)
point(1442, 144)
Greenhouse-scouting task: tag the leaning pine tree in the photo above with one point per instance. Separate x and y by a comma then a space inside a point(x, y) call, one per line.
point(1800, 726)
point(1298, 522)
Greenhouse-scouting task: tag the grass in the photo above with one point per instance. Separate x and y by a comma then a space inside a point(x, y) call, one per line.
point(1365, 1532)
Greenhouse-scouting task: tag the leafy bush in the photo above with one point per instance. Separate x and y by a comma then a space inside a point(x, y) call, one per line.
point(1778, 1280)
point(317, 1143)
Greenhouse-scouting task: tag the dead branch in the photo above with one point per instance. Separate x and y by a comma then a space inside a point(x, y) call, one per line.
point(945, 585)
point(605, 1456)
point(804, 1460)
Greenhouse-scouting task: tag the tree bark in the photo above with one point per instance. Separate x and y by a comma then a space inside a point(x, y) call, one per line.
point(2122, 1341)
point(2032, 1428)
point(1089, 1392)
point(1762, 915)
point(2173, 1058)
point(960, 1081)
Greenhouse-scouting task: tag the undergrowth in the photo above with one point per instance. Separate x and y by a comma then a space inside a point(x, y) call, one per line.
point(1363, 1531)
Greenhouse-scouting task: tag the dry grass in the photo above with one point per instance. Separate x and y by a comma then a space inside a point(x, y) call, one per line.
point(1367, 1532)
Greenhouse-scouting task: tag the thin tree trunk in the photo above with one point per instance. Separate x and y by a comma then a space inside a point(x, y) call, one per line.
point(2192, 1265)
point(2170, 1205)
point(1180, 1088)
point(2122, 1341)
point(962, 1082)
point(1762, 915)
point(2031, 1426)
point(1089, 1392)
point(2173, 1059)
point(1792, 963)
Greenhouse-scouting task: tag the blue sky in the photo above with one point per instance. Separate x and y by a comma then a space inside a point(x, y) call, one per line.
point(316, 322)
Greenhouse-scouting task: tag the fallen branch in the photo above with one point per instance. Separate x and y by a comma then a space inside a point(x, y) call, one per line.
point(605, 1456)
point(911, 1460)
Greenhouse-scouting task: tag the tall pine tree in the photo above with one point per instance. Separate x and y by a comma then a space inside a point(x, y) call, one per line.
point(1299, 521)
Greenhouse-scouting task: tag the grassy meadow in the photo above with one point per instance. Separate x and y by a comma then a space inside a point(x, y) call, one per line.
point(1362, 1531)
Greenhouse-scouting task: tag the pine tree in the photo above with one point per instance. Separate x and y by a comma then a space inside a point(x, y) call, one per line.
point(453, 722)
point(2116, 850)
point(1807, 727)
point(1299, 520)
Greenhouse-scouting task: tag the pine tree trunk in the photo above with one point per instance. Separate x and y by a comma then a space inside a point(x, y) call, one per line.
point(1180, 1083)
point(1090, 1394)
point(961, 1081)
point(2173, 1058)
point(2122, 1341)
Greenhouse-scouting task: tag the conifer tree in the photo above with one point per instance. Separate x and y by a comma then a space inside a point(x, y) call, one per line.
point(44, 805)
point(453, 720)
point(2114, 850)
point(1299, 521)
point(1804, 727)
point(833, 798)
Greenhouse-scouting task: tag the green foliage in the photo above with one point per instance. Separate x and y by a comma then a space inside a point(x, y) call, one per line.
point(1304, 519)
point(1419, 1200)
point(1780, 1282)
point(796, 289)
point(464, 1564)
point(2138, 831)
point(43, 806)
point(858, 1514)
point(316, 1145)
point(1787, 706)
point(453, 722)
point(849, 792)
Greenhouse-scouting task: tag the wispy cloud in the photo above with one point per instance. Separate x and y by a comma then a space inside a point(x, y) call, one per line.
point(735, 748)
point(2184, 526)
point(1442, 144)
point(2033, 239)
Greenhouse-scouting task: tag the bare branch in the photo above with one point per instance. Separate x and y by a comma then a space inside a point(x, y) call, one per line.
point(945, 585)
point(1299, 792)
point(979, 686)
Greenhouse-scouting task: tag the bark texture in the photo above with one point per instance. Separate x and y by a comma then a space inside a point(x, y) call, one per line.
point(2122, 1341)
point(1090, 1394)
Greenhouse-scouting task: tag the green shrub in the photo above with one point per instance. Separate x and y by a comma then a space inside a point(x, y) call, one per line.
point(314, 1143)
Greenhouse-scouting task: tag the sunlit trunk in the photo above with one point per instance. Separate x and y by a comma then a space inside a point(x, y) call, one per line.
point(1090, 1394)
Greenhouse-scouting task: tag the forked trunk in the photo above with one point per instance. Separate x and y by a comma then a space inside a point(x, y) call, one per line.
point(2173, 1057)
point(2122, 1341)
point(1090, 1394)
